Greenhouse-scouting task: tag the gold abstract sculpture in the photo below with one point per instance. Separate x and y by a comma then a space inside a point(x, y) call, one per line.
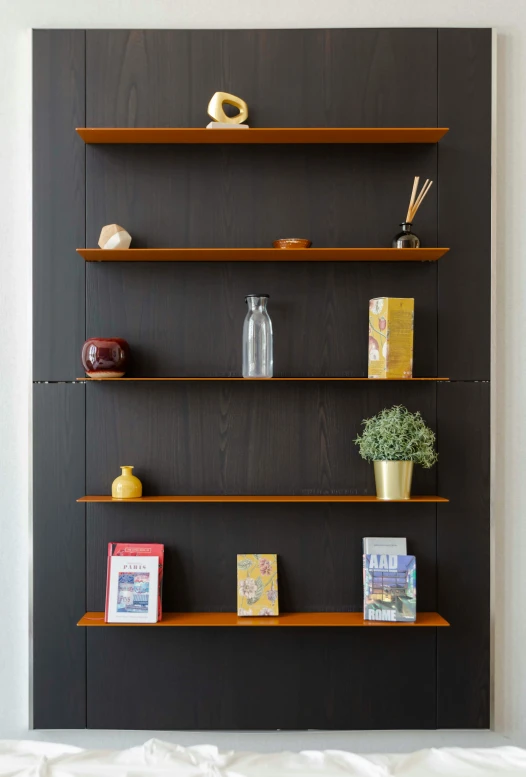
point(216, 112)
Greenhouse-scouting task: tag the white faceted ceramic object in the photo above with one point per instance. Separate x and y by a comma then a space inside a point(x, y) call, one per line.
point(114, 236)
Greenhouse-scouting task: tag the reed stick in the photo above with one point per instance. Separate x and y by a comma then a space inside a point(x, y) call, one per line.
point(422, 190)
point(421, 198)
point(411, 201)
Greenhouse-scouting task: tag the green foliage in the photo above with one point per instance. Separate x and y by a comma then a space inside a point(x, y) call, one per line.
point(395, 434)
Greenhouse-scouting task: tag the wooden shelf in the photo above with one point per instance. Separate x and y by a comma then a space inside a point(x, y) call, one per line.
point(322, 619)
point(262, 135)
point(267, 380)
point(231, 498)
point(262, 254)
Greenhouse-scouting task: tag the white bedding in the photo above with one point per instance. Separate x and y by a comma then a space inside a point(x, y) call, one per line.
point(29, 759)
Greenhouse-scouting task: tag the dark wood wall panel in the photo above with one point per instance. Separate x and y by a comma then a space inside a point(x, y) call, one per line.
point(464, 319)
point(463, 554)
point(186, 318)
point(59, 84)
point(253, 437)
point(317, 547)
point(59, 551)
point(220, 196)
point(311, 678)
point(289, 78)
point(259, 437)
point(464, 204)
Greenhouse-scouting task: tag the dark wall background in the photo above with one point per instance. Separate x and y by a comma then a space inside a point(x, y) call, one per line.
point(186, 319)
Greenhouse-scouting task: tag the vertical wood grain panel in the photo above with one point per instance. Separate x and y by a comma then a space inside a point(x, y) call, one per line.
point(289, 78)
point(247, 438)
point(464, 316)
point(463, 554)
point(242, 438)
point(308, 678)
point(267, 438)
point(186, 319)
point(250, 438)
point(59, 570)
point(319, 549)
point(58, 202)
point(219, 196)
point(464, 203)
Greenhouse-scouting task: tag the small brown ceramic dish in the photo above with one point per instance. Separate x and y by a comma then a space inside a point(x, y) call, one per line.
point(292, 242)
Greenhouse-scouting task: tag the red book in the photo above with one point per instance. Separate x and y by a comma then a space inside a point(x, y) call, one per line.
point(130, 549)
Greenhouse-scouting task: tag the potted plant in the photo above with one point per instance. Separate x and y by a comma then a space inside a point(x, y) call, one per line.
point(394, 440)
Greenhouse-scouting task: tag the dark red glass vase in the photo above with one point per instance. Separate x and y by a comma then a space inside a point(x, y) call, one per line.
point(105, 357)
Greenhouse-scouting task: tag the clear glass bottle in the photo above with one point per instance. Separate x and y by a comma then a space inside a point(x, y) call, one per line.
point(258, 361)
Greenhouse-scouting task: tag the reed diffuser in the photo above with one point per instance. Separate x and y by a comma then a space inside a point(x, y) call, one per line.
point(406, 238)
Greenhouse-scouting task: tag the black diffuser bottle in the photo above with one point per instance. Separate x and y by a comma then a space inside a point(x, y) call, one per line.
point(406, 238)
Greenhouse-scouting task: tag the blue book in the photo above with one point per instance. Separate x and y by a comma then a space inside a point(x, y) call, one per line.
point(389, 588)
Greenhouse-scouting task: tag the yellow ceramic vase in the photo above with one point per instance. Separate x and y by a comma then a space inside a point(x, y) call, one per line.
point(393, 479)
point(126, 486)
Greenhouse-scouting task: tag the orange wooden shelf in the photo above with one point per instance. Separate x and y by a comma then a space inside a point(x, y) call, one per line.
point(287, 619)
point(251, 498)
point(249, 380)
point(262, 135)
point(262, 254)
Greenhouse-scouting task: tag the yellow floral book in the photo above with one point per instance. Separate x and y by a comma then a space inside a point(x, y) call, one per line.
point(391, 337)
point(257, 584)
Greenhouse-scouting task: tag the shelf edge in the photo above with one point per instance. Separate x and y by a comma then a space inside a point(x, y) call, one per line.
point(265, 254)
point(265, 499)
point(263, 135)
point(267, 380)
point(286, 620)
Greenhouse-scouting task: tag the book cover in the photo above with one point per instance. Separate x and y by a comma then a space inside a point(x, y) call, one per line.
point(391, 321)
point(134, 549)
point(132, 589)
point(389, 587)
point(391, 545)
point(257, 584)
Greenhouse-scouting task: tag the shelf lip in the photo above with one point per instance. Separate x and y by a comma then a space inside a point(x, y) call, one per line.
point(257, 135)
point(246, 498)
point(345, 254)
point(294, 619)
point(266, 380)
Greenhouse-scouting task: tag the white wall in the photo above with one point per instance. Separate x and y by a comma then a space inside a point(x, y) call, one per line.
point(509, 19)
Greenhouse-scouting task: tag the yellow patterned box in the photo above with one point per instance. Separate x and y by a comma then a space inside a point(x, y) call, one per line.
point(391, 337)
point(257, 584)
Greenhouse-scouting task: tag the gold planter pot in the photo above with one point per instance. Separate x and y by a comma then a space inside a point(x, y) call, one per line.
point(393, 479)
